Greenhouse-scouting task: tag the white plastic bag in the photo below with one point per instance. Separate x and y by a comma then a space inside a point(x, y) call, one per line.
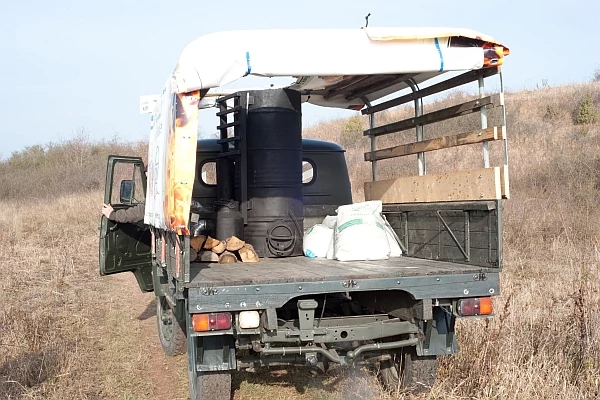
point(329, 221)
point(331, 247)
point(395, 250)
point(360, 233)
point(316, 241)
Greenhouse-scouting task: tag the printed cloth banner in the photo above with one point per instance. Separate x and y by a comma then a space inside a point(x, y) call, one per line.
point(172, 160)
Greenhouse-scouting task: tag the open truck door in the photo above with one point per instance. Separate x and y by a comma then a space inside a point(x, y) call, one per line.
point(126, 246)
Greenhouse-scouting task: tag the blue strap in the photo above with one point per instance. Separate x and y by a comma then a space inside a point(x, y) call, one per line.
point(437, 46)
point(248, 62)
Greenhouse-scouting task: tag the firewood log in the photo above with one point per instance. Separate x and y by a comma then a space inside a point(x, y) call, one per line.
point(193, 254)
point(207, 256)
point(210, 243)
point(219, 248)
point(227, 258)
point(197, 242)
point(247, 253)
point(234, 243)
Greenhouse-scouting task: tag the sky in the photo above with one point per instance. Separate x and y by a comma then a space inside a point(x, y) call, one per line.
point(72, 66)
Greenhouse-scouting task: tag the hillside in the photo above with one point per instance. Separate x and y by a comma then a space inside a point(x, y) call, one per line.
point(67, 333)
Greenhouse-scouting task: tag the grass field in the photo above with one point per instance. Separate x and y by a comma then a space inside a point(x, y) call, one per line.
point(66, 333)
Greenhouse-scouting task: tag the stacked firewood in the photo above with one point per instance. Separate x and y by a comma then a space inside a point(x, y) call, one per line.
point(207, 249)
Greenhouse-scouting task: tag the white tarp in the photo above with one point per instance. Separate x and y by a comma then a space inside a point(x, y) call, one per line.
point(160, 125)
point(317, 59)
point(312, 56)
point(171, 160)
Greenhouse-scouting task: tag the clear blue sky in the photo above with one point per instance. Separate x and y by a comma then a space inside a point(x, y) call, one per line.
point(71, 64)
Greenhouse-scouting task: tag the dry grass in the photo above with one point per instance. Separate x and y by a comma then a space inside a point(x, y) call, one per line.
point(67, 333)
point(543, 342)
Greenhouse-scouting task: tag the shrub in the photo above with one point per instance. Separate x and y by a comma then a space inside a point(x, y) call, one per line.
point(551, 112)
point(352, 132)
point(586, 113)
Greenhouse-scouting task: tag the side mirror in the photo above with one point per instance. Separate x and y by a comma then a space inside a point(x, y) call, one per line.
point(126, 191)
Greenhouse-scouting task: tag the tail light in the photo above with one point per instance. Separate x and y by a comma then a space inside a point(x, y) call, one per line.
point(211, 322)
point(475, 306)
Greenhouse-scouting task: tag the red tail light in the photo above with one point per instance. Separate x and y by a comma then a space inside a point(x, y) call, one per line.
point(211, 322)
point(475, 306)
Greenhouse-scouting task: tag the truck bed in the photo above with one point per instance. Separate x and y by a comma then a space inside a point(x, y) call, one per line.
point(302, 269)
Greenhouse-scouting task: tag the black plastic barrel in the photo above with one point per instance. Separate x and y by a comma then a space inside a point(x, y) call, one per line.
point(274, 147)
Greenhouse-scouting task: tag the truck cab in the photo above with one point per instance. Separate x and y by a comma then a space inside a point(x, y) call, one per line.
point(127, 246)
point(325, 181)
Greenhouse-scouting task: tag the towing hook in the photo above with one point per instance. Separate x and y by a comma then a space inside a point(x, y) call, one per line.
point(311, 360)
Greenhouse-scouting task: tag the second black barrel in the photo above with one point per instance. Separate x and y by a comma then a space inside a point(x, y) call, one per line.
point(274, 171)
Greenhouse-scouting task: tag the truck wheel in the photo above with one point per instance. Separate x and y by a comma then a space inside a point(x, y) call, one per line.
point(210, 385)
point(416, 374)
point(171, 331)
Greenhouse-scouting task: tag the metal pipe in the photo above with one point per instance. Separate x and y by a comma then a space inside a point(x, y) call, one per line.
point(352, 355)
point(381, 346)
point(248, 362)
point(503, 117)
point(373, 139)
point(419, 128)
point(299, 350)
point(484, 124)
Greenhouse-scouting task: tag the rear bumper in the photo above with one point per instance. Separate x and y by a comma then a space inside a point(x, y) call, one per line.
point(275, 295)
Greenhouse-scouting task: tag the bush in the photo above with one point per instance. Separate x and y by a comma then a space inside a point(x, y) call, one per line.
point(72, 166)
point(586, 113)
point(352, 132)
point(551, 112)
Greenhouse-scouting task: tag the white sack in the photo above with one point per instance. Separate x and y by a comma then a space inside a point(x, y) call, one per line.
point(316, 241)
point(360, 233)
point(395, 250)
point(329, 221)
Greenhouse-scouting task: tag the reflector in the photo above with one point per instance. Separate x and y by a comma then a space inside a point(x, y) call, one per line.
point(211, 322)
point(475, 306)
point(485, 305)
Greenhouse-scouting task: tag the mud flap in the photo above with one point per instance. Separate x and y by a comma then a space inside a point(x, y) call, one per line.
point(439, 334)
point(209, 353)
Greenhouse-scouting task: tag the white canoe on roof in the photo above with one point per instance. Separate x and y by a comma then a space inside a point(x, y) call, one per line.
point(334, 67)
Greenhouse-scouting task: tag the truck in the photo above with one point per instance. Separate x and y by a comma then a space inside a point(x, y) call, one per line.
point(261, 182)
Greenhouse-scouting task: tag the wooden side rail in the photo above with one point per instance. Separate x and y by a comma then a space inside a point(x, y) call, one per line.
point(476, 184)
point(437, 116)
point(459, 80)
point(444, 142)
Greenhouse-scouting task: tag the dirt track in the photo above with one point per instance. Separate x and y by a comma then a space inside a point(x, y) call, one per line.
point(166, 377)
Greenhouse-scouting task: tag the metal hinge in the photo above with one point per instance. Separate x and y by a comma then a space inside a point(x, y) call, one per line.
point(210, 291)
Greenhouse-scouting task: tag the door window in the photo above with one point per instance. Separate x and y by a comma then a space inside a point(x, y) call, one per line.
point(133, 192)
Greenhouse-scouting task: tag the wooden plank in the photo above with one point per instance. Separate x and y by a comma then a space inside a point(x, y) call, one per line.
point(313, 270)
point(504, 183)
point(460, 80)
point(477, 184)
point(444, 142)
point(436, 116)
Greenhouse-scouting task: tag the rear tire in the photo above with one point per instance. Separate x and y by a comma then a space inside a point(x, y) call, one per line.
point(210, 385)
point(171, 331)
point(415, 374)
